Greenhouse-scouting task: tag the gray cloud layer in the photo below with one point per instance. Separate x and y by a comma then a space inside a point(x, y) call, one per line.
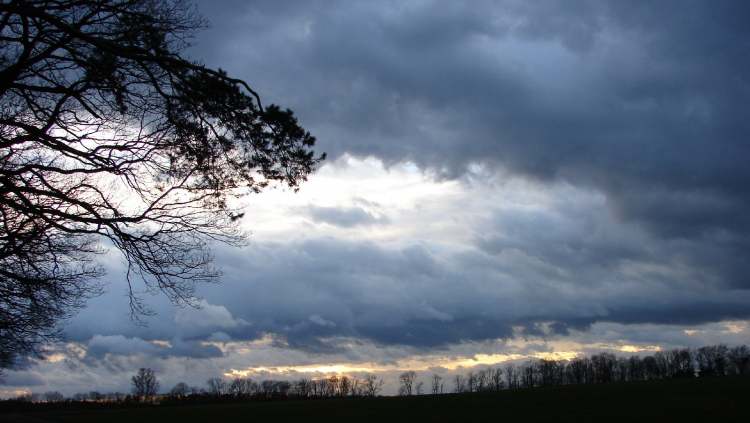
point(644, 101)
point(642, 104)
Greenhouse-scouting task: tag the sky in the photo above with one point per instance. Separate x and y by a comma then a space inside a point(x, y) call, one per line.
point(505, 180)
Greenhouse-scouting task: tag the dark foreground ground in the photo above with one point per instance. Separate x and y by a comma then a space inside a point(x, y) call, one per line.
point(706, 400)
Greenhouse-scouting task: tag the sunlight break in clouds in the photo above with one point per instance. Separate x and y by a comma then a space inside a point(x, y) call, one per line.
point(447, 253)
point(506, 181)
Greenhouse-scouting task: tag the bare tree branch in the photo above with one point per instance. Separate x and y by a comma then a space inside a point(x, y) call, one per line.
point(109, 136)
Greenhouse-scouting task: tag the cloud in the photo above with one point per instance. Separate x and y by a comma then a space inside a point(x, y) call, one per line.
point(22, 378)
point(457, 263)
point(205, 319)
point(100, 345)
point(556, 170)
point(344, 216)
point(622, 107)
point(625, 100)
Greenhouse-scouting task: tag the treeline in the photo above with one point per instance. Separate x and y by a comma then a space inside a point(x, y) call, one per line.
point(219, 390)
point(303, 388)
point(709, 361)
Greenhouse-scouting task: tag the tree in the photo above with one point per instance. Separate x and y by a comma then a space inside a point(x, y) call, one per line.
point(217, 386)
point(53, 396)
point(145, 384)
point(497, 379)
point(459, 384)
point(111, 138)
point(242, 386)
point(511, 376)
point(344, 386)
point(712, 360)
point(418, 389)
point(437, 384)
point(180, 390)
point(406, 381)
point(371, 385)
point(739, 357)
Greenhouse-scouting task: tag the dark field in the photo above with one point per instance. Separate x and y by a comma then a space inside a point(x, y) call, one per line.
point(705, 400)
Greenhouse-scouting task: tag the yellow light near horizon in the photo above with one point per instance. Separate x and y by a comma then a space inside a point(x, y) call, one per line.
point(415, 364)
point(482, 359)
point(559, 350)
point(14, 393)
point(735, 327)
point(326, 369)
point(639, 348)
point(556, 355)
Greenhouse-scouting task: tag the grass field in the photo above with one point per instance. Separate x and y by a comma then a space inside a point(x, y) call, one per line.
point(707, 400)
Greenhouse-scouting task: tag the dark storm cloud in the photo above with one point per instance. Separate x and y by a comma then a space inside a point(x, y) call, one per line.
point(343, 216)
point(307, 293)
point(99, 346)
point(643, 100)
point(423, 297)
point(22, 378)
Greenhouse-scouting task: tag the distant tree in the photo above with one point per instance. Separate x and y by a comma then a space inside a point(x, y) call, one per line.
point(53, 396)
point(371, 385)
point(496, 379)
point(739, 357)
point(635, 368)
point(510, 376)
point(483, 380)
point(110, 135)
point(242, 387)
point(80, 396)
point(303, 388)
point(548, 371)
point(357, 389)
point(180, 390)
point(317, 388)
point(333, 386)
point(459, 384)
point(24, 397)
point(145, 384)
point(603, 367)
point(406, 382)
point(344, 386)
point(471, 382)
point(116, 396)
point(527, 375)
point(621, 369)
point(712, 360)
point(663, 365)
point(681, 363)
point(277, 388)
point(651, 368)
point(217, 386)
point(437, 384)
point(419, 387)
point(281, 388)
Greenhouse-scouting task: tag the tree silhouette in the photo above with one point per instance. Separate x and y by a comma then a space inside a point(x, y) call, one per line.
point(437, 384)
point(109, 137)
point(406, 382)
point(372, 385)
point(145, 384)
point(217, 386)
point(180, 390)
